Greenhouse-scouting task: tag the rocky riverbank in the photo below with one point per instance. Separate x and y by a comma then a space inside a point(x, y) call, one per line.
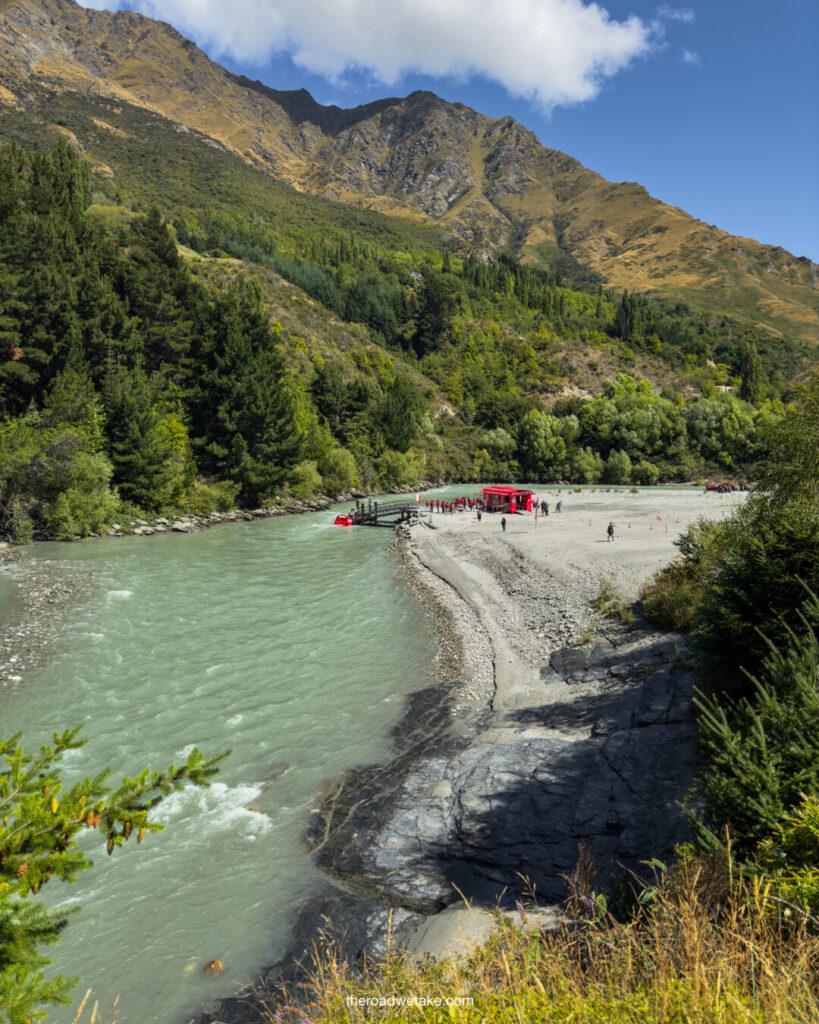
point(550, 725)
point(33, 623)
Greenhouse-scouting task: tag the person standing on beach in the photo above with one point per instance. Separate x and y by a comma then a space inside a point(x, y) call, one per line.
point(503, 523)
point(610, 532)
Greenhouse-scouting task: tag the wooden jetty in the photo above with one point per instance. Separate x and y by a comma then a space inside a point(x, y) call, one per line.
point(385, 513)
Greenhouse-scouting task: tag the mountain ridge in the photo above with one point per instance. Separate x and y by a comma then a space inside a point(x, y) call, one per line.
point(489, 182)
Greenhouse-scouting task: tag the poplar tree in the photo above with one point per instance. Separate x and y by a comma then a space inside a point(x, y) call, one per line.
point(750, 370)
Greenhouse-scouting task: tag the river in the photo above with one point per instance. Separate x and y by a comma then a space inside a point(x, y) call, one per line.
point(289, 640)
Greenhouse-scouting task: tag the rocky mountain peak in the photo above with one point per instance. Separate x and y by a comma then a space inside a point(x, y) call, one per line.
point(489, 181)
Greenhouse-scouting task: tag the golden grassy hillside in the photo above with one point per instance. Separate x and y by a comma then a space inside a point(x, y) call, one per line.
point(489, 182)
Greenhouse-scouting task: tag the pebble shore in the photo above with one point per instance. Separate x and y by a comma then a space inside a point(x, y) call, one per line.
point(33, 625)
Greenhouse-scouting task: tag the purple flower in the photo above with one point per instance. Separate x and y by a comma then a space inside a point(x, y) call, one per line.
point(587, 902)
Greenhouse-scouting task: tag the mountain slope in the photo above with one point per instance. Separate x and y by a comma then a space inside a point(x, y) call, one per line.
point(487, 182)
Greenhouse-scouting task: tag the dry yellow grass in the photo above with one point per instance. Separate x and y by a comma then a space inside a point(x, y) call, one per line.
point(708, 950)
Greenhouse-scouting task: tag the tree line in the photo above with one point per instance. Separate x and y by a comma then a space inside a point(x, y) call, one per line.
point(125, 380)
point(127, 384)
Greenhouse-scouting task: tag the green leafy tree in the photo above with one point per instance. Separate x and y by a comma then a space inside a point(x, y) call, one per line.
point(617, 469)
point(542, 450)
point(51, 484)
point(40, 819)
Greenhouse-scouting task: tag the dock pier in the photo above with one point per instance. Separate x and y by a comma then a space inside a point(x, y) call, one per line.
point(385, 513)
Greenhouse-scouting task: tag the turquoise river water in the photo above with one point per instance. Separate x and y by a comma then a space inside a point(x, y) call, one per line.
point(289, 640)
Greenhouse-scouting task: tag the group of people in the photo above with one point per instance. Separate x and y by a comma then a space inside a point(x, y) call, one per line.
point(456, 505)
point(544, 507)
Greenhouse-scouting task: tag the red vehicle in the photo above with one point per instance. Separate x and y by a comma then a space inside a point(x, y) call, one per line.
point(723, 487)
point(343, 521)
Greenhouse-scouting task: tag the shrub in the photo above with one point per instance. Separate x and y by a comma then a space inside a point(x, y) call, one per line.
point(87, 506)
point(763, 755)
point(789, 857)
point(338, 471)
point(216, 496)
point(752, 594)
point(396, 471)
point(305, 481)
point(612, 605)
point(673, 596)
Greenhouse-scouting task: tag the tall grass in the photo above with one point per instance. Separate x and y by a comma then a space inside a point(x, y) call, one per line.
point(701, 947)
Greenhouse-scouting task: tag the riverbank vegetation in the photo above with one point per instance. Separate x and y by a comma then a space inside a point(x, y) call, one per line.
point(746, 589)
point(702, 944)
point(135, 379)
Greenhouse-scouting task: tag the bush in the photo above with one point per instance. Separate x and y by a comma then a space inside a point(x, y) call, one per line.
point(338, 471)
point(752, 594)
point(87, 506)
point(672, 597)
point(763, 755)
point(396, 471)
point(789, 858)
point(217, 496)
point(305, 481)
point(50, 483)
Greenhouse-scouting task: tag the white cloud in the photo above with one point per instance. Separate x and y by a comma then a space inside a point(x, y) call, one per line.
point(684, 14)
point(690, 57)
point(556, 52)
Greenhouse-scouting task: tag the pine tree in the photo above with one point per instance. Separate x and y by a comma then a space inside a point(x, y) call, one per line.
point(144, 469)
point(40, 819)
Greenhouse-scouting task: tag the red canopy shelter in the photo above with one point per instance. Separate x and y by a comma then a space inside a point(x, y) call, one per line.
point(507, 499)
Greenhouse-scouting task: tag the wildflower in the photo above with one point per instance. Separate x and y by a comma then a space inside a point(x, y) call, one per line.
point(587, 902)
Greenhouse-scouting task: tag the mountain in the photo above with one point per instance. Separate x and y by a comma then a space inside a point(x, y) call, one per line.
point(486, 183)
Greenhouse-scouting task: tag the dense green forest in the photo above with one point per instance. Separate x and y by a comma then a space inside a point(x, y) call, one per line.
point(132, 380)
point(747, 589)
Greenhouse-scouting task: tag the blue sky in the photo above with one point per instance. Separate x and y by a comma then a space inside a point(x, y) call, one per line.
point(711, 106)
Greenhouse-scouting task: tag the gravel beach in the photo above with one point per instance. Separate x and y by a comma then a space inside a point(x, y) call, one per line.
point(37, 594)
point(552, 725)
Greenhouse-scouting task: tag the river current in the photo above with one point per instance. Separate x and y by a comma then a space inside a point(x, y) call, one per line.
point(289, 640)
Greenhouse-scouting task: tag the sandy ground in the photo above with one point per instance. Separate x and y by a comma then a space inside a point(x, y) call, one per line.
point(573, 544)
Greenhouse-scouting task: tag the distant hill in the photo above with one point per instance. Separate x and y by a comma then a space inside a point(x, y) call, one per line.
point(485, 183)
